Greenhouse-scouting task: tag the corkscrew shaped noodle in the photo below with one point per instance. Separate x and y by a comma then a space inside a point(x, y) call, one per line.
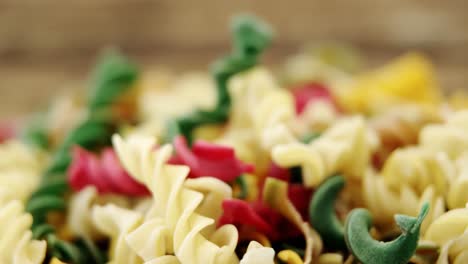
point(117, 223)
point(175, 221)
point(114, 75)
point(457, 196)
point(16, 246)
point(384, 203)
point(450, 137)
point(20, 170)
point(346, 147)
point(454, 251)
point(79, 218)
point(260, 104)
point(419, 168)
point(208, 159)
point(256, 253)
point(409, 78)
point(400, 126)
point(448, 226)
point(104, 172)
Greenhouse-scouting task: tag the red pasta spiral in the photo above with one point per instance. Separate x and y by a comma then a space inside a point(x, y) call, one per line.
point(207, 159)
point(104, 172)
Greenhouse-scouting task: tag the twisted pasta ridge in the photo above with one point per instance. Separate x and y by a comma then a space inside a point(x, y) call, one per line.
point(454, 251)
point(16, 246)
point(450, 137)
point(400, 126)
point(175, 223)
point(418, 168)
point(20, 170)
point(346, 147)
point(256, 253)
point(103, 172)
point(384, 202)
point(250, 37)
point(457, 196)
point(260, 104)
point(448, 226)
point(450, 232)
point(79, 215)
point(117, 223)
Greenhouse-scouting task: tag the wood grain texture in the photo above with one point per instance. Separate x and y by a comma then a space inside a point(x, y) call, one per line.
point(48, 45)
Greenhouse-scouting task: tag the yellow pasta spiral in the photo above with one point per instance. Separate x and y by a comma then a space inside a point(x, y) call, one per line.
point(20, 170)
point(450, 137)
point(410, 78)
point(457, 196)
point(16, 246)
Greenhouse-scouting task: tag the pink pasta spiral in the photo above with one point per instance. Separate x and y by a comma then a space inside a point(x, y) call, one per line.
point(208, 159)
point(104, 172)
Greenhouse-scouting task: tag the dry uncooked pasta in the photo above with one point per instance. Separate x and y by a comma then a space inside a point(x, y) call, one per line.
point(321, 163)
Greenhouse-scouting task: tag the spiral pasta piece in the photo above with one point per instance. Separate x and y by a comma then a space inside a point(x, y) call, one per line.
point(16, 246)
point(117, 223)
point(450, 137)
point(79, 215)
point(385, 202)
point(409, 78)
point(20, 170)
point(346, 147)
point(104, 172)
point(418, 168)
point(256, 253)
point(454, 251)
point(457, 196)
point(448, 226)
point(177, 226)
point(400, 126)
point(259, 103)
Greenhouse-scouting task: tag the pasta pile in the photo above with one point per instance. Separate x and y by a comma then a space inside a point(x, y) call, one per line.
point(323, 162)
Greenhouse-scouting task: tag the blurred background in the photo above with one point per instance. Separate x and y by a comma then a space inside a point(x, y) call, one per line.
point(49, 45)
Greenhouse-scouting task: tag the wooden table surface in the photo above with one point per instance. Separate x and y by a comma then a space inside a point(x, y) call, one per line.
point(47, 46)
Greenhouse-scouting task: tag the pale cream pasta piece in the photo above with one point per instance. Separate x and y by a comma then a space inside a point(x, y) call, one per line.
point(400, 126)
point(20, 170)
point(318, 116)
point(79, 217)
point(177, 228)
point(346, 147)
point(455, 251)
point(457, 196)
point(448, 226)
point(385, 202)
point(260, 104)
point(165, 97)
point(451, 137)
point(256, 253)
point(306, 67)
point(418, 168)
point(16, 246)
point(117, 223)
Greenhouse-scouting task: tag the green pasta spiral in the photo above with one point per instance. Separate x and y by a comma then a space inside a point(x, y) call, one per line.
point(113, 76)
point(250, 37)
